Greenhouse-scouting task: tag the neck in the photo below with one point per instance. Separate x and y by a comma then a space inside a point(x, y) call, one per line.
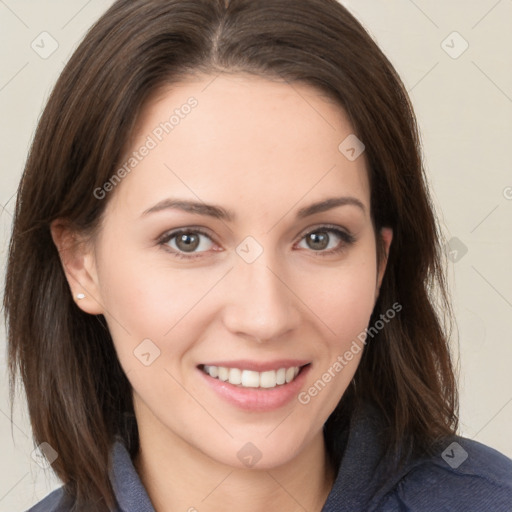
point(179, 477)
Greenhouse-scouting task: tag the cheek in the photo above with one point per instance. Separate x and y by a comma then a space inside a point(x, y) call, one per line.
point(344, 309)
point(344, 298)
point(152, 302)
point(172, 306)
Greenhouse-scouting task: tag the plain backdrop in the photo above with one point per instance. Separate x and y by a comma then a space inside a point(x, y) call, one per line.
point(455, 60)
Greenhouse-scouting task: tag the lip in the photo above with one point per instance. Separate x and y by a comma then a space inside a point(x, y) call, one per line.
point(255, 366)
point(257, 399)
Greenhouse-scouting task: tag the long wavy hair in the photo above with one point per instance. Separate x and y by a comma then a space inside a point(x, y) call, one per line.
point(78, 396)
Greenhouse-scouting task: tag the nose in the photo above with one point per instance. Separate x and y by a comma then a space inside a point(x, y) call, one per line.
point(259, 303)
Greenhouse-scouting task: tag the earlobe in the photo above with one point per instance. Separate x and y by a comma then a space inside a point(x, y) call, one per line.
point(79, 266)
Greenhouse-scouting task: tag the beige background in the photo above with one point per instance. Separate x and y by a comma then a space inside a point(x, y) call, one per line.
point(464, 105)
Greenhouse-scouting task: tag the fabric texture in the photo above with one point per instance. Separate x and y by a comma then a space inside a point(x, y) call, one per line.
point(465, 476)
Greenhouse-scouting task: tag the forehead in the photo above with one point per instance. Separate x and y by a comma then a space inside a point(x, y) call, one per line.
point(242, 140)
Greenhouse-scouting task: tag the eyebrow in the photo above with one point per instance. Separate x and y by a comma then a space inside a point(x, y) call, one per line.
point(221, 213)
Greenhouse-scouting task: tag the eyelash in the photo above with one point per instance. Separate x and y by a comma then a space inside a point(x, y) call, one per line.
point(347, 240)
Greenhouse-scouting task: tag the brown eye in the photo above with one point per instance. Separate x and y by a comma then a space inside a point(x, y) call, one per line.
point(318, 240)
point(184, 243)
point(326, 237)
point(187, 242)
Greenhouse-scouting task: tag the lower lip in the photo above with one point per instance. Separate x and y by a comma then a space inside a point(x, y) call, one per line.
point(257, 399)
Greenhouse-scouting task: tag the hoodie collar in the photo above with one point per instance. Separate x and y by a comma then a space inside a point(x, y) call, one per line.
point(361, 476)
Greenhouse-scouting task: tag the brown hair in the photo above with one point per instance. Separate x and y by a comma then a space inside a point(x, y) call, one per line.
point(78, 395)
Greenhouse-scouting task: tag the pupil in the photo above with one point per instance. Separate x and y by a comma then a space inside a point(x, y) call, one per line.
point(190, 241)
point(185, 238)
point(319, 241)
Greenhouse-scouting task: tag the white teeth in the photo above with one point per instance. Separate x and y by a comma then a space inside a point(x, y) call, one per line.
point(235, 376)
point(252, 379)
point(281, 376)
point(290, 374)
point(268, 379)
point(222, 371)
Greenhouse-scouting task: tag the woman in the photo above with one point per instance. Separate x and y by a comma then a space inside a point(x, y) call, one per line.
point(220, 283)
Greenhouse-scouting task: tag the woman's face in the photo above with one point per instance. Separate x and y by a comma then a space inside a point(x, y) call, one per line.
point(212, 258)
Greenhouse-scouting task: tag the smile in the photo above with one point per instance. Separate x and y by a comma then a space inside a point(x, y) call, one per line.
point(252, 379)
point(256, 386)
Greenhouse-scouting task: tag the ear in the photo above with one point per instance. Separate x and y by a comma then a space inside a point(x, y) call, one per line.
point(386, 235)
point(79, 265)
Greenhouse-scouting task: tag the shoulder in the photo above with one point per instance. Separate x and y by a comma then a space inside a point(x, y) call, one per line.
point(464, 476)
point(57, 501)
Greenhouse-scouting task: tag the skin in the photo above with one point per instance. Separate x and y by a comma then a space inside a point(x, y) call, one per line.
point(263, 149)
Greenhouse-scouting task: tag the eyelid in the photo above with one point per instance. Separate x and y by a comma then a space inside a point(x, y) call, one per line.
point(187, 229)
point(169, 235)
point(325, 227)
point(347, 238)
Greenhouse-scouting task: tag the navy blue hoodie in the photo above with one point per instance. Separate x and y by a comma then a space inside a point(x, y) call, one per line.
point(465, 476)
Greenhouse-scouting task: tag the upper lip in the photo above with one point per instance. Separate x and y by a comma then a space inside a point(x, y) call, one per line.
point(258, 366)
